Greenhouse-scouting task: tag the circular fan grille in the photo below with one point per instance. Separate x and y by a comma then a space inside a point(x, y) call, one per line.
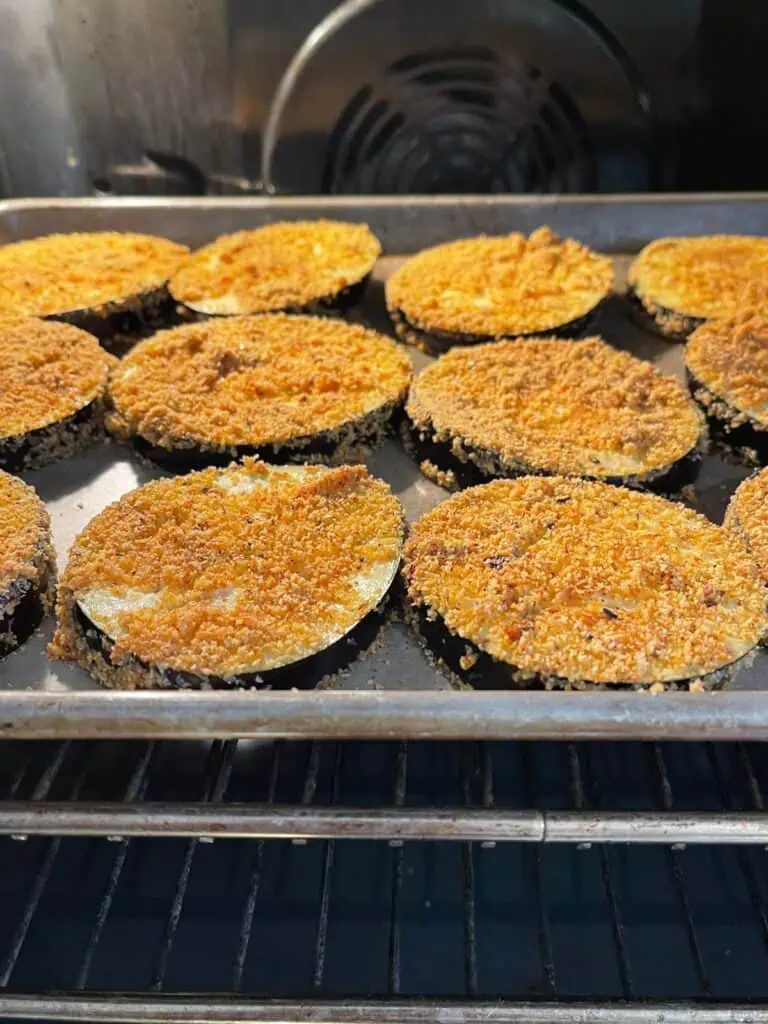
point(460, 121)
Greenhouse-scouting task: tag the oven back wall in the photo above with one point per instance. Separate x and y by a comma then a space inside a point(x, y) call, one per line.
point(134, 96)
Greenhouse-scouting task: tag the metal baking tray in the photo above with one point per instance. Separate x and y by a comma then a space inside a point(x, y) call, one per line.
point(394, 692)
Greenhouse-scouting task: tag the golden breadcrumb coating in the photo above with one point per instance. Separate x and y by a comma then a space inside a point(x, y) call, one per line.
point(255, 380)
point(500, 285)
point(730, 358)
point(586, 582)
point(571, 407)
point(62, 273)
point(747, 517)
point(48, 371)
point(704, 276)
point(278, 266)
point(244, 568)
point(24, 532)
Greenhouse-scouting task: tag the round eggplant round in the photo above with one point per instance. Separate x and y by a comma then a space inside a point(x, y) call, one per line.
point(547, 406)
point(482, 289)
point(53, 380)
point(119, 325)
point(651, 316)
point(677, 284)
point(747, 518)
point(27, 563)
point(318, 267)
point(562, 583)
point(251, 576)
point(111, 284)
point(283, 388)
point(436, 343)
point(727, 367)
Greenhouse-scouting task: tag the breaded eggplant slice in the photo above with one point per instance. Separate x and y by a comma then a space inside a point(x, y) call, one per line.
point(27, 563)
point(727, 366)
point(747, 518)
point(251, 576)
point(679, 283)
point(285, 388)
point(303, 266)
point(53, 381)
point(112, 284)
point(561, 583)
point(574, 408)
point(508, 286)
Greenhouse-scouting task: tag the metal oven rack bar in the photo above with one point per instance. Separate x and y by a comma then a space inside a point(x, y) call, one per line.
point(482, 821)
point(222, 821)
point(155, 1010)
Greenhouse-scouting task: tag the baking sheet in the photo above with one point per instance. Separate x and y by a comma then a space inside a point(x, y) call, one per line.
point(394, 691)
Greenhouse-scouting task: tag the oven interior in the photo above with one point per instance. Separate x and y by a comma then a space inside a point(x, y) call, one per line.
point(396, 96)
point(359, 929)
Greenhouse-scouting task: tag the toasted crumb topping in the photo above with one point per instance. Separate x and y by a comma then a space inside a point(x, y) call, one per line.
point(276, 267)
point(500, 285)
point(24, 531)
point(571, 407)
point(704, 276)
point(730, 358)
point(255, 380)
point(62, 273)
point(747, 518)
point(48, 371)
point(586, 582)
point(243, 569)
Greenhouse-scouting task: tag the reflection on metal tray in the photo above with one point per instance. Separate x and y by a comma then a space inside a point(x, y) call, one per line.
point(394, 692)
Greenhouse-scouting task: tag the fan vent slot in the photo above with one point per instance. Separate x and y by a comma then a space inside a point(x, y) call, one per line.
point(460, 120)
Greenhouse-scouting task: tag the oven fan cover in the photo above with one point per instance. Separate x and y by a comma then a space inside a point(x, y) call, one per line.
point(460, 121)
point(498, 98)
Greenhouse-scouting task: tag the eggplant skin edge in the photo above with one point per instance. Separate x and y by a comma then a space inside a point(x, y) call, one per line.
point(730, 426)
point(118, 325)
point(439, 461)
point(26, 601)
point(436, 342)
point(667, 322)
point(55, 441)
point(94, 653)
point(466, 665)
point(350, 442)
point(328, 305)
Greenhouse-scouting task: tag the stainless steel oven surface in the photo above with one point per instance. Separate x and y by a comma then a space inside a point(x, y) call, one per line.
point(394, 691)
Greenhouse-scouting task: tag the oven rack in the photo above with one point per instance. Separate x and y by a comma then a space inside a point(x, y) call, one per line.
point(281, 795)
point(220, 810)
